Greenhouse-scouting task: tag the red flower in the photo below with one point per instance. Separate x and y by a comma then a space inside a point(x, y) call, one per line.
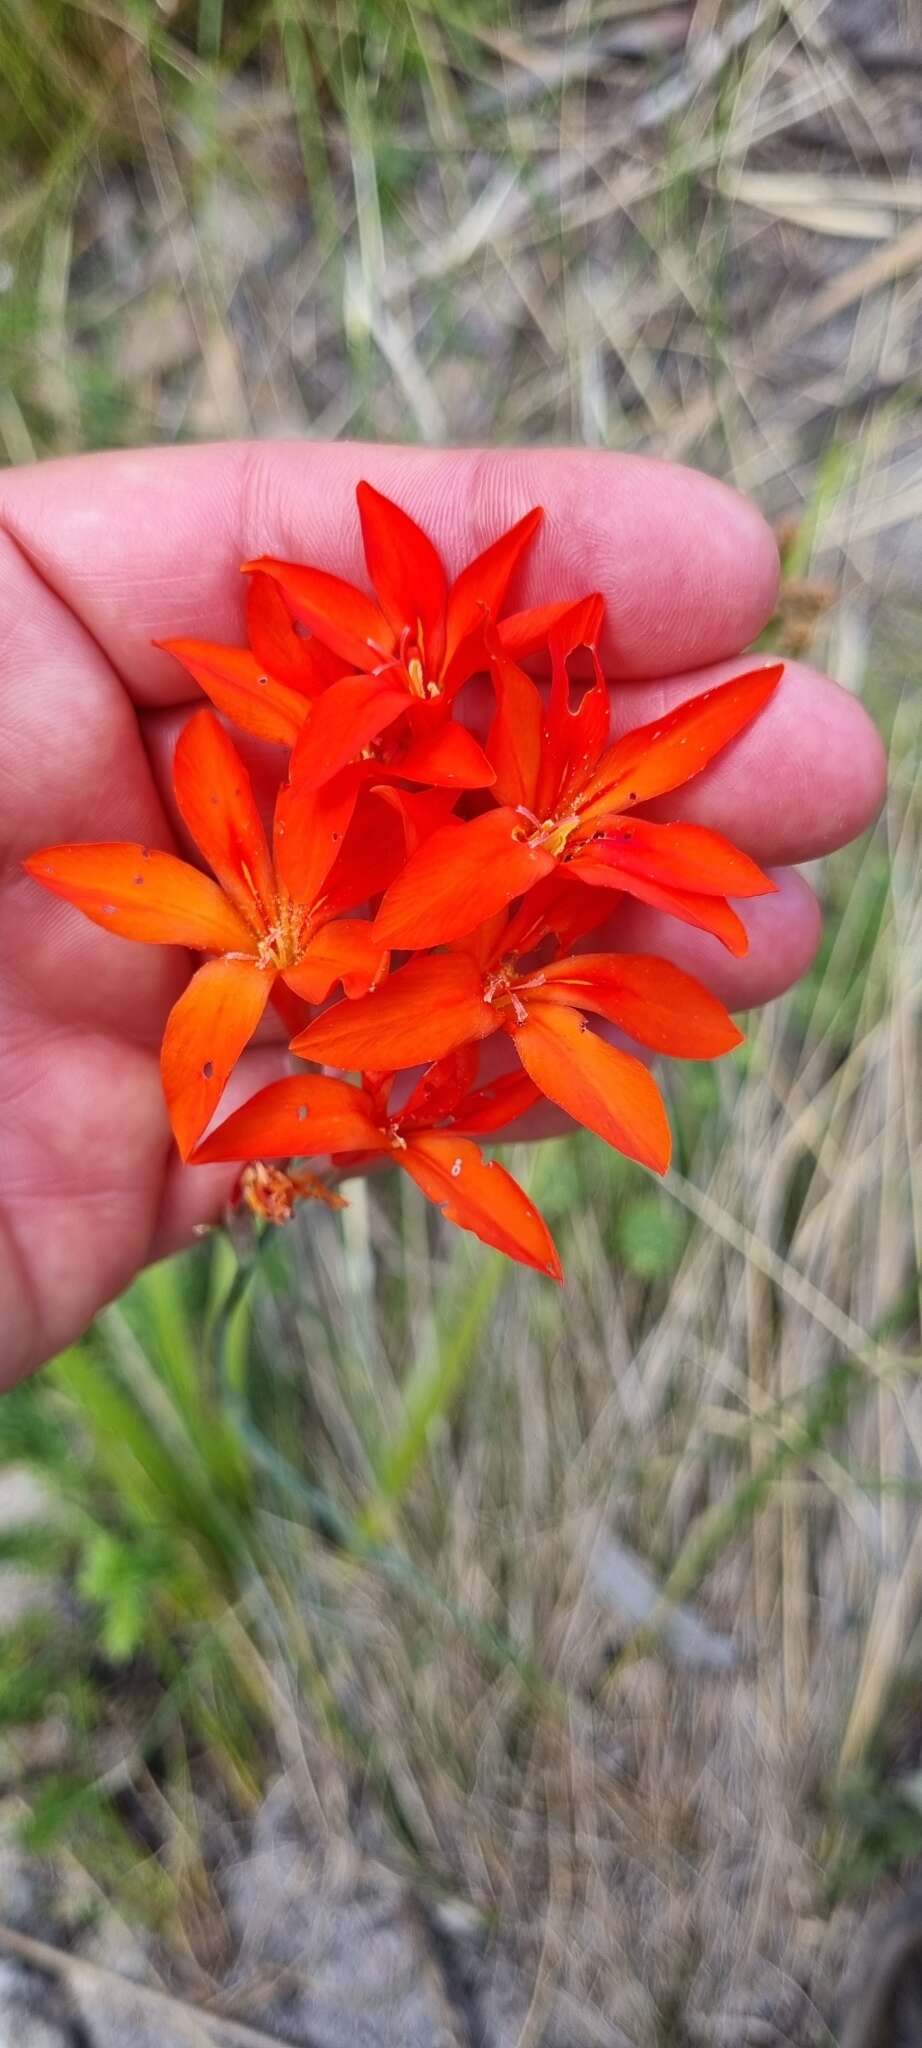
point(274, 917)
point(273, 690)
point(564, 792)
point(442, 1001)
point(365, 707)
point(266, 688)
point(358, 1127)
point(412, 650)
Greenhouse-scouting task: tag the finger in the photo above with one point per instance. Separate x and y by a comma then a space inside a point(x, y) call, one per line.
point(149, 543)
point(67, 734)
point(784, 933)
point(84, 1131)
point(71, 767)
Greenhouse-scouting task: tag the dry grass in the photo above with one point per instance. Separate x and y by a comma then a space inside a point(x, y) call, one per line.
point(749, 1423)
point(695, 231)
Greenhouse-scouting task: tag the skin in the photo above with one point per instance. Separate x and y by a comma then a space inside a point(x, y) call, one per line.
point(100, 553)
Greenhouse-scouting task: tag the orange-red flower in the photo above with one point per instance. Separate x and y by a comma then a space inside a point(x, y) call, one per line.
point(267, 687)
point(442, 1001)
point(273, 689)
point(412, 650)
point(566, 802)
point(308, 1114)
point(268, 917)
point(493, 906)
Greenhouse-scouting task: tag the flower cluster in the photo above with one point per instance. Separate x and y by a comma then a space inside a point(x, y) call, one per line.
point(484, 867)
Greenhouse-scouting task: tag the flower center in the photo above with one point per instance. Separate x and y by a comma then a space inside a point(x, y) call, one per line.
point(550, 834)
point(272, 1193)
point(413, 656)
point(284, 940)
point(498, 990)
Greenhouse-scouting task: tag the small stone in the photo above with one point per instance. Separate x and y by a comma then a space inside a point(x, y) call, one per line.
point(33, 2008)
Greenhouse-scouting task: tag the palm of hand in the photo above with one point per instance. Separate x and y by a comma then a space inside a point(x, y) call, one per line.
point(87, 1191)
point(96, 557)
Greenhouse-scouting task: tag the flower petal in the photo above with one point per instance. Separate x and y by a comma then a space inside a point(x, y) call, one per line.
point(487, 944)
point(560, 904)
point(480, 1196)
point(302, 665)
point(481, 587)
point(241, 689)
point(681, 857)
point(421, 1013)
point(650, 999)
point(573, 737)
point(310, 831)
point(524, 633)
point(608, 1091)
point(345, 951)
point(449, 757)
point(143, 894)
point(514, 743)
point(301, 1117)
point(441, 1087)
point(206, 1032)
point(293, 1013)
point(340, 615)
point(421, 811)
point(216, 802)
point(343, 721)
point(388, 825)
point(707, 913)
point(670, 750)
point(578, 627)
point(458, 879)
point(497, 1104)
point(407, 573)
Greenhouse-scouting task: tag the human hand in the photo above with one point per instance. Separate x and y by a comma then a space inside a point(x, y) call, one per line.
point(100, 554)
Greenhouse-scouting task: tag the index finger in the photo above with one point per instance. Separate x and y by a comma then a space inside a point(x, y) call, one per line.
point(148, 543)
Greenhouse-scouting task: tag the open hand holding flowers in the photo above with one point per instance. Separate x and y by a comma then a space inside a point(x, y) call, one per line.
point(488, 866)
